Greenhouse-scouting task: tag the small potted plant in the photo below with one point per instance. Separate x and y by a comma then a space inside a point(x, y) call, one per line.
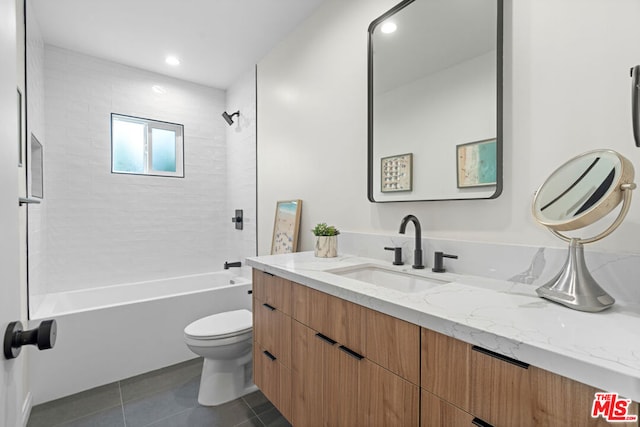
point(326, 240)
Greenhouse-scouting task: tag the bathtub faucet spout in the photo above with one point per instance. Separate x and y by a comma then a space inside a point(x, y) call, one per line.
point(232, 264)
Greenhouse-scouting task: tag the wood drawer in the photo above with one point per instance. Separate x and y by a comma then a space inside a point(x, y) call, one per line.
point(445, 368)
point(272, 329)
point(436, 412)
point(334, 317)
point(272, 290)
point(393, 344)
point(273, 378)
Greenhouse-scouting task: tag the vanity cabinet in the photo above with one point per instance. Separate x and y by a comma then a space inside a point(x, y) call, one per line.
point(272, 338)
point(325, 361)
point(468, 385)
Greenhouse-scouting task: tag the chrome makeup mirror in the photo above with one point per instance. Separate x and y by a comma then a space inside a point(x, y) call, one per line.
point(577, 194)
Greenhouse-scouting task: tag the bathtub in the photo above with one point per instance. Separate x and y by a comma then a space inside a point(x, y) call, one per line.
point(114, 332)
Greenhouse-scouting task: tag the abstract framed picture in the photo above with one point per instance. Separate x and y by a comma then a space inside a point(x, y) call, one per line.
point(286, 227)
point(477, 163)
point(396, 173)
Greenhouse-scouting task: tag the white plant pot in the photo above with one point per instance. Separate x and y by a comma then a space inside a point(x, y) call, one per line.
point(326, 246)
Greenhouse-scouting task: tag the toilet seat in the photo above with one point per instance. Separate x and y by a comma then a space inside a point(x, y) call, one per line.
point(220, 326)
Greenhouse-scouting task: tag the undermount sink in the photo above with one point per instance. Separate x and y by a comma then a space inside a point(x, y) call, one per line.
point(388, 278)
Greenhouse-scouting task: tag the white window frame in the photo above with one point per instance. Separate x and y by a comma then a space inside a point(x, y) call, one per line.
point(148, 163)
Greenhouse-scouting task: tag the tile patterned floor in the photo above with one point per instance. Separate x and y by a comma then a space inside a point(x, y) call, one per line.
point(164, 398)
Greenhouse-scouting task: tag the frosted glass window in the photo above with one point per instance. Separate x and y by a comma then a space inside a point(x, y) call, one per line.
point(129, 142)
point(146, 147)
point(163, 155)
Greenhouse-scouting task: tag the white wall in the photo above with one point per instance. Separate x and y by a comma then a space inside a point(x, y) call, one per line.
point(105, 228)
point(241, 167)
point(423, 110)
point(566, 91)
point(35, 125)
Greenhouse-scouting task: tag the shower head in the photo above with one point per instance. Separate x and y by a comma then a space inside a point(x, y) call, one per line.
point(229, 118)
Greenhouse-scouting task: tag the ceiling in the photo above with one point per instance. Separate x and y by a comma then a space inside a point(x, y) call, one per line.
point(215, 40)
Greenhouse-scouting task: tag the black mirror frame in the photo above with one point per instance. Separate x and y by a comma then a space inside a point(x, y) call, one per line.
point(499, 106)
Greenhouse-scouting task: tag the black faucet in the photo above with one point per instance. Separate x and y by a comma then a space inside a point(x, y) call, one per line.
point(438, 261)
point(417, 252)
point(232, 264)
point(397, 255)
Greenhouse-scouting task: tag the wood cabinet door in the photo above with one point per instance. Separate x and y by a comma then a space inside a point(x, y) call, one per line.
point(560, 401)
point(307, 382)
point(436, 412)
point(272, 290)
point(272, 329)
point(342, 400)
point(501, 391)
point(445, 368)
point(388, 399)
point(393, 344)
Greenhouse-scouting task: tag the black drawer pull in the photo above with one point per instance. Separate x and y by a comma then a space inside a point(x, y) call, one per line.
point(269, 355)
point(501, 357)
point(270, 307)
point(326, 338)
point(268, 274)
point(351, 353)
point(250, 291)
point(480, 423)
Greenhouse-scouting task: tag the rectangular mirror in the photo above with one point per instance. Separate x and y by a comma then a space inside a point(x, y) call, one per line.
point(435, 96)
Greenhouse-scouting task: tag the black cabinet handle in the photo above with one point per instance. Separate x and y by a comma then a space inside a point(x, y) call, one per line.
point(269, 355)
point(268, 274)
point(270, 307)
point(351, 353)
point(250, 291)
point(480, 423)
point(501, 357)
point(326, 338)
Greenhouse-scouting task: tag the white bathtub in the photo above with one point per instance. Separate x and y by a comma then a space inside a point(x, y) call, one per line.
point(110, 333)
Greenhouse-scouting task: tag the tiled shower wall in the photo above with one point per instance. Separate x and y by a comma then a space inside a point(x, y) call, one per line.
point(241, 167)
point(105, 228)
point(34, 101)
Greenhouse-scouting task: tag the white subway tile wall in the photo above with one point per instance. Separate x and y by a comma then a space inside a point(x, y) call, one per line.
point(104, 228)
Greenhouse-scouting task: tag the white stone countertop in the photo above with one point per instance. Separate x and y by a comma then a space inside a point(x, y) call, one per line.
point(600, 349)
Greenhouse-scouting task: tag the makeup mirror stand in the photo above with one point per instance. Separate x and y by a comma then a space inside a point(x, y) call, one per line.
point(574, 286)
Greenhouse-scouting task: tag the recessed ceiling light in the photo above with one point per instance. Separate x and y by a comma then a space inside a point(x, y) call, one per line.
point(172, 60)
point(388, 27)
point(159, 89)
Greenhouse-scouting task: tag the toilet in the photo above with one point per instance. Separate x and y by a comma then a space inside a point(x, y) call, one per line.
point(225, 342)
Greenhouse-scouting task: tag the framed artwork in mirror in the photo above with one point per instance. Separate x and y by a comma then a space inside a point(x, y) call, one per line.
point(286, 227)
point(476, 163)
point(396, 173)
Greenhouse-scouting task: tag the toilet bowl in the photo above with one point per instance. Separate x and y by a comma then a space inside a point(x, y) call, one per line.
point(224, 340)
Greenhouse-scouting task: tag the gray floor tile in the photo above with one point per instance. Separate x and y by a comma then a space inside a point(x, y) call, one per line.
point(226, 415)
point(273, 418)
point(75, 406)
point(253, 422)
point(165, 403)
point(109, 418)
point(258, 402)
point(162, 379)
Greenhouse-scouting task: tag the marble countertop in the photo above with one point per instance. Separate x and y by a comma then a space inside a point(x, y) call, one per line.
point(599, 349)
